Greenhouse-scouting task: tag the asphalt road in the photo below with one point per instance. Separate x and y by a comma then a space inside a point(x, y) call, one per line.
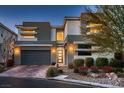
point(9, 82)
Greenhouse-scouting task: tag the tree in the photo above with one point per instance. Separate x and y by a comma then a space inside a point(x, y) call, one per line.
point(110, 37)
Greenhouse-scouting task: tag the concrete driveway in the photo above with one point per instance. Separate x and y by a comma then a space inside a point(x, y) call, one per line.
point(34, 71)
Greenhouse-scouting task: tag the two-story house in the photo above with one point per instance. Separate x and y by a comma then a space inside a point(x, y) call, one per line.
point(40, 43)
point(7, 43)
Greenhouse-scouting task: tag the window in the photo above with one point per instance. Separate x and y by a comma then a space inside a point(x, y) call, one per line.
point(94, 28)
point(60, 36)
point(29, 31)
point(85, 46)
point(84, 53)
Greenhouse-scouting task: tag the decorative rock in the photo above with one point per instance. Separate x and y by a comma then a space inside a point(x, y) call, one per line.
point(112, 76)
point(94, 75)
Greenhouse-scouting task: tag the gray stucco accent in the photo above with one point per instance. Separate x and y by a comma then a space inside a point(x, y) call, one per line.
point(71, 38)
point(69, 57)
point(53, 58)
point(43, 30)
point(35, 48)
point(34, 42)
point(17, 59)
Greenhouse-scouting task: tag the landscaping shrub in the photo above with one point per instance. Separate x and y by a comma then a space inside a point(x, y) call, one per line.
point(100, 62)
point(116, 70)
point(76, 70)
point(120, 75)
point(70, 65)
point(2, 68)
point(94, 69)
point(10, 63)
point(52, 71)
point(53, 63)
point(83, 70)
point(78, 62)
point(115, 63)
point(89, 61)
point(107, 69)
point(60, 71)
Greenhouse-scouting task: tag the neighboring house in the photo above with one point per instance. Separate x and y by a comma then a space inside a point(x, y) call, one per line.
point(42, 43)
point(7, 42)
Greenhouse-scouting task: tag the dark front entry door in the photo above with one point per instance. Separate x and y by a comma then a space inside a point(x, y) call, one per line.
point(35, 57)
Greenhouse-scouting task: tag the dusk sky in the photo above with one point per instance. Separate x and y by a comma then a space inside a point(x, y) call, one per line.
point(15, 15)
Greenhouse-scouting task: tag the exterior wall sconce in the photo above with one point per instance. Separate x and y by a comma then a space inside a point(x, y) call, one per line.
point(71, 48)
point(17, 51)
point(53, 50)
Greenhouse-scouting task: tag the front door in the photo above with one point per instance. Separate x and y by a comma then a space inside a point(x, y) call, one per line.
point(60, 56)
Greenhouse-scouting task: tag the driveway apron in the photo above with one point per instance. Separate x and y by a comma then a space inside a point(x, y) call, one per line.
point(35, 71)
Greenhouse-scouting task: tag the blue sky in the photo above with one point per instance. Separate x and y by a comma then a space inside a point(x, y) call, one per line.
point(15, 15)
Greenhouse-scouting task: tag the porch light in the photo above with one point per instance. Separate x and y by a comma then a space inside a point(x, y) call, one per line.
point(17, 51)
point(71, 48)
point(53, 50)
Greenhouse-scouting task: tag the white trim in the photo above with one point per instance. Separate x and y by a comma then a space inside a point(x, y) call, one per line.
point(34, 45)
point(81, 42)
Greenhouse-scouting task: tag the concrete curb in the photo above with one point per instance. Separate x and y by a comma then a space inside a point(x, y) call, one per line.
point(63, 78)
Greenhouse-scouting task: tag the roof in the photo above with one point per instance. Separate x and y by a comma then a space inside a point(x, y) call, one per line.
point(71, 18)
point(9, 30)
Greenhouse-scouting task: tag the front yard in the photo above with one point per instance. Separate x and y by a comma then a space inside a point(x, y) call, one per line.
point(103, 72)
point(103, 79)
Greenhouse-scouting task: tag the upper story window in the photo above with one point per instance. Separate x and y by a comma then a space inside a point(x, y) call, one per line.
point(29, 31)
point(94, 28)
point(60, 36)
point(84, 46)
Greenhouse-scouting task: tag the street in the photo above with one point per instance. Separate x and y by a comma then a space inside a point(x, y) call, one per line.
point(10, 82)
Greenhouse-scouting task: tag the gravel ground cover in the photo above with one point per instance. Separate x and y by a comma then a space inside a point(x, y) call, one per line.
point(102, 80)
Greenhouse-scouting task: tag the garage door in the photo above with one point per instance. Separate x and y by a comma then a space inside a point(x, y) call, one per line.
point(35, 57)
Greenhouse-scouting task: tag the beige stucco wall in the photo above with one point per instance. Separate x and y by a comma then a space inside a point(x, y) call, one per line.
point(72, 27)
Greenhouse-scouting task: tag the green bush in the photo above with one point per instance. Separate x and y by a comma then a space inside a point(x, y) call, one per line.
point(78, 62)
point(101, 62)
point(120, 75)
point(60, 71)
point(2, 68)
point(115, 63)
point(76, 70)
point(89, 61)
point(52, 71)
point(10, 63)
point(70, 65)
point(116, 70)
